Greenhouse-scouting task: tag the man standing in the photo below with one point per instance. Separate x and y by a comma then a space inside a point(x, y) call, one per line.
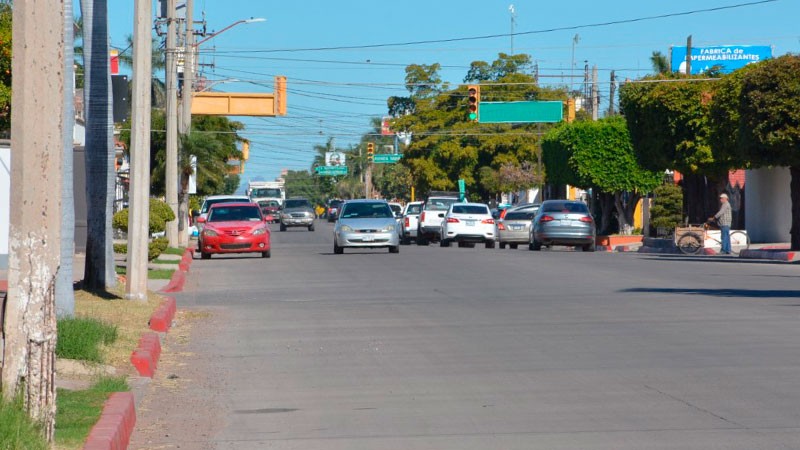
point(723, 218)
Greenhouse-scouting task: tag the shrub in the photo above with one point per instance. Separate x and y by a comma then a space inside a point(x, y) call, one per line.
point(121, 249)
point(667, 210)
point(160, 214)
point(80, 338)
point(156, 247)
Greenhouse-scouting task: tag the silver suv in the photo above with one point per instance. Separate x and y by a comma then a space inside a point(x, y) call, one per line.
point(297, 212)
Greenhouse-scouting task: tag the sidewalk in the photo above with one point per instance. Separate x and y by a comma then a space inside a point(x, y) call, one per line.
point(765, 251)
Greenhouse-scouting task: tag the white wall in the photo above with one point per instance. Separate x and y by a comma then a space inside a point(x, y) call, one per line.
point(5, 203)
point(768, 213)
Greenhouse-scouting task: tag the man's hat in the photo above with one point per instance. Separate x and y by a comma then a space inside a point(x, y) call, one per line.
point(723, 195)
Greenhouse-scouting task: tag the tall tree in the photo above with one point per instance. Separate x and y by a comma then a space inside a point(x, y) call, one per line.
point(659, 62)
point(99, 272)
point(5, 69)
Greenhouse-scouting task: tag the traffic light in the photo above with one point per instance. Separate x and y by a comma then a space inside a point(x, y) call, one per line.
point(370, 152)
point(473, 99)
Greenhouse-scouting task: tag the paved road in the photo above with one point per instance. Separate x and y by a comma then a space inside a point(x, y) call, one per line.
point(463, 348)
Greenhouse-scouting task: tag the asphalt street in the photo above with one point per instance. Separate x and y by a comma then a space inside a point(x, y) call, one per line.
point(472, 348)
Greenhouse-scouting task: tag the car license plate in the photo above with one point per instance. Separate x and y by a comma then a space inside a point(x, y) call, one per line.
point(516, 227)
point(367, 238)
point(470, 223)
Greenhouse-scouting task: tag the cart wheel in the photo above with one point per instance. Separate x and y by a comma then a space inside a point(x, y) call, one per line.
point(690, 244)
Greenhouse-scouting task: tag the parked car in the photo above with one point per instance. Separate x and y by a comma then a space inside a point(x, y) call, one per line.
point(333, 210)
point(234, 228)
point(514, 229)
point(430, 219)
point(468, 224)
point(366, 224)
point(563, 222)
point(214, 199)
point(297, 212)
point(410, 222)
point(271, 210)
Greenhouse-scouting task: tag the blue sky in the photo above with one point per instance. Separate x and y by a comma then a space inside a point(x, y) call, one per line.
point(334, 93)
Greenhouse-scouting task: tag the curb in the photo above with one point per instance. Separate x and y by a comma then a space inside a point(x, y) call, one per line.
point(114, 429)
point(178, 279)
point(145, 357)
point(774, 254)
point(161, 320)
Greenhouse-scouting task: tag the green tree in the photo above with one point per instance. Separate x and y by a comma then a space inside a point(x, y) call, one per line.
point(667, 210)
point(5, 69)
point(599, 155)
point(659, 62)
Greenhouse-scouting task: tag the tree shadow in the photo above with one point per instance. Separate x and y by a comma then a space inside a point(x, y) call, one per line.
point(744, 293)
point(101, 293)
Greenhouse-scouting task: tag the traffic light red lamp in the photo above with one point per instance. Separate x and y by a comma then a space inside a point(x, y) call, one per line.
point(370, 152)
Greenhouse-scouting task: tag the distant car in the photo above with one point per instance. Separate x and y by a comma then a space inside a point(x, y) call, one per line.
point(365, 224)
point(297, 212)
point(514, 229)
point(563, 222)
point(430, 219)
point(333, 210)
point(524, 207)
point(234, 228)
point(271, 210)
point(214, 199)
point(468, 224)
point(409, 222)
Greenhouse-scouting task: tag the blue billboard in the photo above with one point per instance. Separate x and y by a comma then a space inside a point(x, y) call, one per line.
point(727, 57)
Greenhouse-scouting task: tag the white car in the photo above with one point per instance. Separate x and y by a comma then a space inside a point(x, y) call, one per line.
point(410, 222)
point(468, 224)
point(214, 199)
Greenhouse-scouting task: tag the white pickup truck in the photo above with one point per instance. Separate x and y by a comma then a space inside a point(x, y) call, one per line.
point(432, 215)
point(409, 222)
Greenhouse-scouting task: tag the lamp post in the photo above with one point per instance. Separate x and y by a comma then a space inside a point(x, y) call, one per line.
point(238, 22)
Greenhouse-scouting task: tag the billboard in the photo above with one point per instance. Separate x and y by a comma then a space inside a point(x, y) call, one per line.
point(727, 57)
point(334, 159)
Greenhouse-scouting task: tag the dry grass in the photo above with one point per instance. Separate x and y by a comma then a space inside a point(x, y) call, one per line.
point(129, 316)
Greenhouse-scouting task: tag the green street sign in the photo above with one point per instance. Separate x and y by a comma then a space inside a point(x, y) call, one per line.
point(331, 171)
point(521, 112)
point(387, 158)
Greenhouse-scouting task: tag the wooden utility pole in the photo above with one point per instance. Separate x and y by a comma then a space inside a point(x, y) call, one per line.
point(612, 94)
point(37, 125)
point(139, 212)
point(689, 55)
point(171, 162)
point(185, 122)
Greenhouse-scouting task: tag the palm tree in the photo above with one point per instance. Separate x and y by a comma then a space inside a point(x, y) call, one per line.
point(99, 271)
point(659, 62)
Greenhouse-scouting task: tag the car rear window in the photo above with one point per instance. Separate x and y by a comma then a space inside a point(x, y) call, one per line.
point(521, 215)
point(234, 213)
point(297, 203)
point(565, 207)
point(439, 204)
point(414, 209)
point(470, 209)
point(366, 210)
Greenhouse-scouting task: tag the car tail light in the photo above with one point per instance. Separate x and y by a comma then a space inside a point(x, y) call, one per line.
point(587, 219)
point(488, 221)
point(546, 219)
point(422, 217)
point(500, 226)
point(407, 223)
point(452, 220)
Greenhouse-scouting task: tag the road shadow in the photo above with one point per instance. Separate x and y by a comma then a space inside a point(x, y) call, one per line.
point(743, 293)
point(714, 259)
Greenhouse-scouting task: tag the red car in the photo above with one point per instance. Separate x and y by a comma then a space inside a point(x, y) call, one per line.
point(234, 228)
point(271, 210)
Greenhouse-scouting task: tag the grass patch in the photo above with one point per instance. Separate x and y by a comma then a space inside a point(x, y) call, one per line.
point(152, 274)
point(80, 338)
point(78, 411)
point(174, 251)
point(17, 430)
point(167, 261)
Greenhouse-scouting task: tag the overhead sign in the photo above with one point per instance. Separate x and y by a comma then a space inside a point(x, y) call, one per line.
point(335, 158)
point(520, 112)
point(727, 57)
point(331, 171)
point(387, 158)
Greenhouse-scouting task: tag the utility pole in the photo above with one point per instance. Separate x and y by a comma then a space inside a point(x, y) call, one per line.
point(587, 101)
point(612, 93)
point(138, 218)
point(185, 123)
point(37, 143)
point(513, 22)
point(689, 55)
point(575, 41)
point(171, 162)
point(595, 94)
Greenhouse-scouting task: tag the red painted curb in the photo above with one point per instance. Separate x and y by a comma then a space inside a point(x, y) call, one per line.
point(176, 282)
point(161, 320)
point(145, 357)
point(783, 255)
point(114, 428)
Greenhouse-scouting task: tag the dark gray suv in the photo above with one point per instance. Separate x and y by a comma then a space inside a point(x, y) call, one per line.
point(297, 212)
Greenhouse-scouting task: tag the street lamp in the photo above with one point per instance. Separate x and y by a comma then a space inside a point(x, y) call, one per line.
point(238, 22)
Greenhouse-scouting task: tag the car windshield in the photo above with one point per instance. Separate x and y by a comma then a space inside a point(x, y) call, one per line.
point(265, 192)
point(269, 204)
point(396, 208)
point(213, 201)
point(470, 209)
point(565, 207)
point(298, 203)
point(234, 213)
point(520, 215)
point(366, 210)
point(439, 204)
point(335, 203)
point(414, 209)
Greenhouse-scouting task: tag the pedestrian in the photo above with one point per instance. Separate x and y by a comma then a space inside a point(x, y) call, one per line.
point(723, 218)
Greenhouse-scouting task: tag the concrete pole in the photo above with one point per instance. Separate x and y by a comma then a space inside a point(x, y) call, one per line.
point(185, 122)
point(37, 144)
point(171, 162)
point(595, 94)
point(138, 218)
